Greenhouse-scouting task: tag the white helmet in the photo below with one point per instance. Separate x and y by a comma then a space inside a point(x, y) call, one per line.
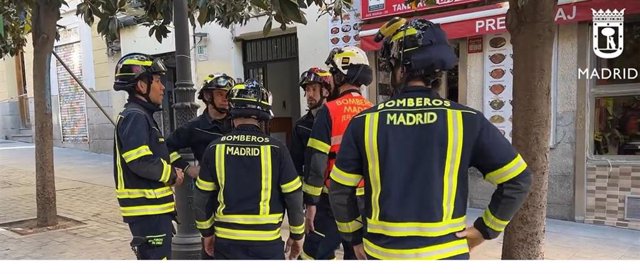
point(353, 65)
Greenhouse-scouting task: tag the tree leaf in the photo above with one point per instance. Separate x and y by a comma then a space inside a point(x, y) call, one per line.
point(260, 4)
point(113, 27)
point(267, 26)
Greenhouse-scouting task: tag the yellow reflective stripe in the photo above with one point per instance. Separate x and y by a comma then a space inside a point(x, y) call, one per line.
point(371, 148)
point(344, 178)
point(136, 153)
point(406, 229)
point(248, 235)
point(220, 170)
point(144, 193)
point(306, 256)
point(296, 229)
point(147, 209)
point(319, 145)
point(507, 172)
point(205, 185)
point(119, 173)
point(250, 219)
point(205, 224)
point(351, 226)
point(174, 157)
point(166, 172)
point(265, 193)
point(311, 190)
point(137, 62)
point(360, 191)
point(434, 252)
point(452, 164)
point(291, 186)
point(493, 222)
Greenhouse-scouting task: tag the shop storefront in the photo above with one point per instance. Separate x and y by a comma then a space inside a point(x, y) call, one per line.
point(595, 170)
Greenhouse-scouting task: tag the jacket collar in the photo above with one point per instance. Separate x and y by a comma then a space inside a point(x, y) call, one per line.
point(148, 107)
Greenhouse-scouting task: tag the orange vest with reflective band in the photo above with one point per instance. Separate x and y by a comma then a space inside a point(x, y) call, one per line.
point(341, 110)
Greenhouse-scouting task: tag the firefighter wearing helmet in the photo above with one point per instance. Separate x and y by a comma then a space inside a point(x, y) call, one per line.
point(350, 70)
point(247, 182)
point(212, 124)
point(414, 152)
point(143, 175)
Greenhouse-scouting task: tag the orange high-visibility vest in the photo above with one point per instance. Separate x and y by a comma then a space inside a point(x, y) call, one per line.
point(341, 110)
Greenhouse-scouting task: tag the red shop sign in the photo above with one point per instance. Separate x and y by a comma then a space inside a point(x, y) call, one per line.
point(382, 8)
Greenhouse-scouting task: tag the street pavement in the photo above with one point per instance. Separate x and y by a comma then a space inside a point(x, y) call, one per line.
point(84, 187)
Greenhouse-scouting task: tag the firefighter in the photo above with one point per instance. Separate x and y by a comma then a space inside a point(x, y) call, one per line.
point(414, 152)
point(247, 181)
point(317, 85)
point(198, 133)
point(350, 69)
point(142, 171)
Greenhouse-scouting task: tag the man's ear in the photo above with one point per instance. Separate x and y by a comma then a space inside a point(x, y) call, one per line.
point(141, 86)
point(208, 96)
point(325, 93)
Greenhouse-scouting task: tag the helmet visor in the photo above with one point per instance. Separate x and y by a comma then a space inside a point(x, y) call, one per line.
point(224, 82)
point(157, 67)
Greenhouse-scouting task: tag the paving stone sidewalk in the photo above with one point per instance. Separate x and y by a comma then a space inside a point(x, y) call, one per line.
point(84, 184)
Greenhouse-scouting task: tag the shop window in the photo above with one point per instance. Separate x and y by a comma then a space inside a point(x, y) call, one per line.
point(617, 125)
point(630, 57)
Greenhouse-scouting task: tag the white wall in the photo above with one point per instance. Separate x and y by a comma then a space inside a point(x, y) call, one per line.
point(136, 39)
point(313, 45)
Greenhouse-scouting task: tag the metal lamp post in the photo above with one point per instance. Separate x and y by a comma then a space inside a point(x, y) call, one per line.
point(186, 243)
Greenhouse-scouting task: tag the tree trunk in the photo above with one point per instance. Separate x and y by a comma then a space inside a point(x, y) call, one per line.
point(44, 18)
point(532, 27)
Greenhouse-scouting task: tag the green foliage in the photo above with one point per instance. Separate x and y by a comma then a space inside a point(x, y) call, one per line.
point(157, 14)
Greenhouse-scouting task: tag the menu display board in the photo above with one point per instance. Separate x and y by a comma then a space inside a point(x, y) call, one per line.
point(498, 82)
point(345, 31)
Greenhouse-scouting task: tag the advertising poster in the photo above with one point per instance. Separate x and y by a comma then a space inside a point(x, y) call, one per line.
point(498, 82)
point(344, 31)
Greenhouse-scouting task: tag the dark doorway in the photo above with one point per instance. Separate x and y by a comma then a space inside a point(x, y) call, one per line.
point(274, 62)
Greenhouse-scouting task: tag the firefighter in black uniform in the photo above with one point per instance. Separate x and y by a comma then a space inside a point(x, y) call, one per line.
point(317, 85)
point(414, 152)
point(246, 183)
point(198, 133)
point(142, 171)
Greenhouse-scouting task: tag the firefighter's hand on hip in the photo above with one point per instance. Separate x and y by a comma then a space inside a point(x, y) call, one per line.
point(293, 249)
point(473, 235)
point(309, 216)
point(208, 245)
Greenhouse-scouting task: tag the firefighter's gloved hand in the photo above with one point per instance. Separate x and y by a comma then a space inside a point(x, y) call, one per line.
point(208, 245)
point(179, 177)
point(473, 235)
point(293, 248)
point(359, 252)
point(309, 216)
point(193, 171)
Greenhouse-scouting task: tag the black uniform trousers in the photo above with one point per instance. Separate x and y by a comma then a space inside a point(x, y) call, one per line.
point(325, 240)
point(225, 249)
point(158, 229)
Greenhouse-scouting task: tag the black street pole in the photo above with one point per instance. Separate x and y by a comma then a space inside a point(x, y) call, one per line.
point(186, 243)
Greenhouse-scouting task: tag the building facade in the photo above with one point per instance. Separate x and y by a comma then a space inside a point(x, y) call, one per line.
point(594, 174)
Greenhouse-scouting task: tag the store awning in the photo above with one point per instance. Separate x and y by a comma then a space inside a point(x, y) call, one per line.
point(492, 18)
